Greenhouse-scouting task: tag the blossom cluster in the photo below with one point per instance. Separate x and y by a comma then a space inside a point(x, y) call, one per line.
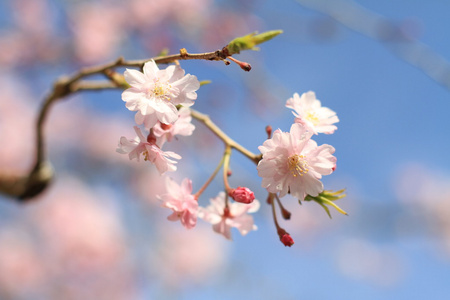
point(154, 95)
point(161, 99)
point(290, 162)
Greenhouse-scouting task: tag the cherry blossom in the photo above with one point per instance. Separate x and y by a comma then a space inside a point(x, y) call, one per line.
point(179, 198)
point(310, 113)
point(155, 93)
point(150, 150)
point(223, 218)
point(293, 163)
point(182, 126)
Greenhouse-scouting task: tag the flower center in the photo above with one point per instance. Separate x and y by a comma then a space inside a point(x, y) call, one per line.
point(312, 117)
point(160, 90)
point(298, 165)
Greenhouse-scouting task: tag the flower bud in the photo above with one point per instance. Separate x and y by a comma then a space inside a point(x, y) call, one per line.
point(242, 195)
point(245, 66)
point(166, 126)
point(151, 138)
point(269, 131)
point(287, 240)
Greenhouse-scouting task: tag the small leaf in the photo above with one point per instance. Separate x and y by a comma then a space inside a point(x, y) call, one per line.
point(250, 41)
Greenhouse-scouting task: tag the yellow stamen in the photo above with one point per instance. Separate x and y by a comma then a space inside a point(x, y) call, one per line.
point(297, 165)
point(161, 91)
point(312, 117)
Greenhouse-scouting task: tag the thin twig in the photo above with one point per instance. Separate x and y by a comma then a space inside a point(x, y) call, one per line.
point(205, 119)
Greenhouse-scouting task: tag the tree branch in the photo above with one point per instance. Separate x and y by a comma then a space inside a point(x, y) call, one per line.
point(26, 186)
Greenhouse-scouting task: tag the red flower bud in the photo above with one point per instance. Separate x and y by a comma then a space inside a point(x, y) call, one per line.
point(269, 131)
point(287, 240)
point(151, 138)
point(242, 195)
point(165, 126)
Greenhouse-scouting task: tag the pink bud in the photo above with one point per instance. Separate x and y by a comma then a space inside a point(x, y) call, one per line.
point(242, 195)
point(287, 240)
point(165, 126)
point(245, 66)
point(151, 138)
point(269, 131)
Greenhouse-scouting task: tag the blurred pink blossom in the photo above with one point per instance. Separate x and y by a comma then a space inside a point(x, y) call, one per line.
point(84, 241)
point(98, 30)
point(17, 118)
point(22, 270)
point(223, 218)
point(185, 257)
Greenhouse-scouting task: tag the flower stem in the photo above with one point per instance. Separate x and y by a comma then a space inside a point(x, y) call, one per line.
point(226, 165)
point(284, 212)
point(274, 215)
point(213, 175)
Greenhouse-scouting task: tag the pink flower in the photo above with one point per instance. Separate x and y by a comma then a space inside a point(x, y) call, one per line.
point(150, 151)
point(242, 195)
point(293, 163)
point(311, 114)
point(179, 198)
point(235, 215)
point(182, 126)
point(155, 93)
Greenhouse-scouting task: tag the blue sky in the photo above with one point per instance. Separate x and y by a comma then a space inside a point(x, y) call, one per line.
point(392, 115)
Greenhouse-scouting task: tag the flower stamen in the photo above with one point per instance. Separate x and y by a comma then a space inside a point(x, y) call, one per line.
point(312, 117)
point(160, 91)
point(298, 165)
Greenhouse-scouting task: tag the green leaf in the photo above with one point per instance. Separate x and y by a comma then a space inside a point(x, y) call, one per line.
point(249, 41)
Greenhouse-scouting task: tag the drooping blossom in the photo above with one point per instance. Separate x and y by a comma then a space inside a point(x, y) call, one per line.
point(310, 112)
point(292, 162)
point(179, 198)
point(236, 215)
point(182, 126)
point(155, 93)
point(150, 150)
point(242, 195)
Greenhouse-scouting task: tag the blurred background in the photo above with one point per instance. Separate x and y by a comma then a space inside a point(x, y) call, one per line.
point(97, 232)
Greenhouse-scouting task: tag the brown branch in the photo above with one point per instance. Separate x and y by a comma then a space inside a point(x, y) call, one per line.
point(29, 185)
point(205, 119)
